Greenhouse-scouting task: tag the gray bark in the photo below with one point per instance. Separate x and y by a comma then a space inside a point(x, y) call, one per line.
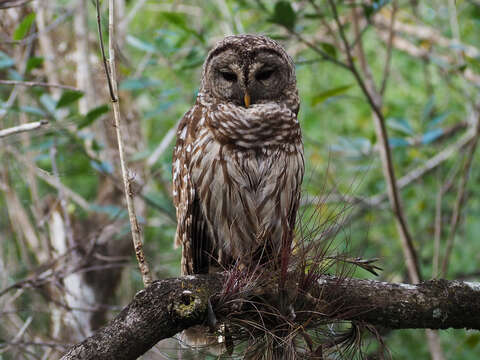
point(169, 306)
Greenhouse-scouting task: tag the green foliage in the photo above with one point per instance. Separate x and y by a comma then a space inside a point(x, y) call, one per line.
point(22, 29)
point(5, 60)
point(283, 14)
point(67, 98)
point(324, 95)
point(93, 115)
point(159, 73)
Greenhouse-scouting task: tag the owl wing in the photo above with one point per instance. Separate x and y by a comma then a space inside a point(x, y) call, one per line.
point(192, 230)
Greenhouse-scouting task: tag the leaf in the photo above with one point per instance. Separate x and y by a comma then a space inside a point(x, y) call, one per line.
point(22, 29)
point(353, 146)
point(431, 136)
point(330, 93)
point(93, 115)
point(141, 44)
point(103, 167)
point(400, 124)
point(375, 6)
point(438, 119)
point(473, 63)
point(68, 97)
point(397, 142)
point(429, 108)
point(34, 63)
point(5, 61)
point(139, 83)
point(47, 101)
point(283, 14)
point(32, 110)
point(329, 49)
point(111, 210)
point(181, 21)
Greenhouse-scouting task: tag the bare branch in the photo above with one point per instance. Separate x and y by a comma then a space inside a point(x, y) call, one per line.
point(22, 128)
point(391, 35)
point(461, 199)
point(38, 83)
point(51, 180)
point(110, 72)
point(374, 99)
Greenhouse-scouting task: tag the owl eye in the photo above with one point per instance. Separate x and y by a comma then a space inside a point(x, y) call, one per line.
point(264, 74)
point(229, 76)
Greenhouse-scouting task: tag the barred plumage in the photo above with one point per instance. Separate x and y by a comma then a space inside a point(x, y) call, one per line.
point(238, 161)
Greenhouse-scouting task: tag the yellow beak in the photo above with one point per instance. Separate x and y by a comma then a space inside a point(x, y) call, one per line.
point(246, 99)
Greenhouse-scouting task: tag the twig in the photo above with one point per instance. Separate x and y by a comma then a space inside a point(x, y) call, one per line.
point(22, 128)
point(123, 24)
point(437, 233)
point(388, 60)
point(61, 196)
point(167, 139)
point(461, 199)
point(385, 154)
point(104, 58)
point(51, 180)
point(319, 51)
point(38, 83)
point(129, 193)
point(5, 4)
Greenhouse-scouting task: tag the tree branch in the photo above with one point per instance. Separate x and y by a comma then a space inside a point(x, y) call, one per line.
point(169, 306)
point(22, 128)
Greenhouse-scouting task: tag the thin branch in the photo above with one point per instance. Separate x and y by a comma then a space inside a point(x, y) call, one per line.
point(38, 83)
point(104, 58)
point(110, 72)
point(51, 180)
point(5, 4)
point(22, 128)
point(438, 232)
point(388, 60)
point(62, 198)
point(461, 199)
point(319, 51)
point(167, 139)
point(123, 24)
point(385, 153)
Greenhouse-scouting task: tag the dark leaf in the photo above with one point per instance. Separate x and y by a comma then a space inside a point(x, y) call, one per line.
point(68, 97)
point(93, 115)
point(330, 93)
point(283, 14)
point(329, 49)
point(34, 63)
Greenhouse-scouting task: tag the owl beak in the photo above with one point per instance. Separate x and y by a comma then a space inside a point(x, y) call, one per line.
point(246, 99)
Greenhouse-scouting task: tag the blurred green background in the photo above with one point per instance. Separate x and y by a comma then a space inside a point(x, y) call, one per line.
point(430, 104)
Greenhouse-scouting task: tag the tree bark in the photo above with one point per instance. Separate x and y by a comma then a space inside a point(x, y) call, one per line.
point(169, 306)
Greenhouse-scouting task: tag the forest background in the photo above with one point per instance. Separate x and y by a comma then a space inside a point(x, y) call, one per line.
point(66, 259)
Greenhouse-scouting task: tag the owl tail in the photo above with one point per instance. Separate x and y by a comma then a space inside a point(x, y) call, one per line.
point(200, 338)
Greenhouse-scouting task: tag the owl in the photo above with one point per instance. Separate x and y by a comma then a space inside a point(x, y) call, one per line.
point(238, 161)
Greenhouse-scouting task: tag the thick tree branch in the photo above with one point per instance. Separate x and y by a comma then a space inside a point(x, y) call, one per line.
point(170, 306)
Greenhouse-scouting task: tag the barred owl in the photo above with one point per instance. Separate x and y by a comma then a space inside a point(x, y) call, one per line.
point(238, 161)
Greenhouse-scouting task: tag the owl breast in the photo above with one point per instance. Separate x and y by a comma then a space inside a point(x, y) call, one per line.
point(248, 178)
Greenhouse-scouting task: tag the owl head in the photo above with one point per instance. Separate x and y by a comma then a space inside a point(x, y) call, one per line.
point(248, 70)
